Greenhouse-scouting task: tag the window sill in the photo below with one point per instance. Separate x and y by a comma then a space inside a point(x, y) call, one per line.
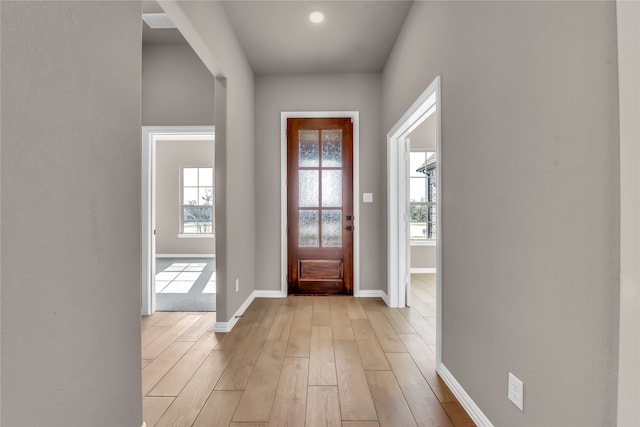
point(423, 243)
point(196, 236)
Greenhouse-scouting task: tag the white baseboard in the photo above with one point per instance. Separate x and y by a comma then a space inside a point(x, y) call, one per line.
point(260, 293)
point(371, 293)
point(228, 326)
point(465, 400)
point(185, 255)
point(144, 424)
point(420, 270)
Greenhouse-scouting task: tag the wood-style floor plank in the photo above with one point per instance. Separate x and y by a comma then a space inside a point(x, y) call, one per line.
point(219, 409)
point(178, 376)
point(355, 398)
point(153, 408)
point(199, 328)
point(257, 399)
point(321, 313)
point(422, 327)
point(398, 321)
point(300, 336)
point(162, 364)
point(151, 333)
point(281, 326)
point(185, 408)
point(355, 310)
point(158, 345)
point(424, 405)
point(458, 415)
point(386, 335)
point(390, 404)
point(371, 304)
point(360, 424)
point(151, 320)
point(341, 327)
point(425, 360)
point(322, 365)
point(171, 318)
point(239, 370)
point(323, 407)
point(371, 353)
point(290, 401)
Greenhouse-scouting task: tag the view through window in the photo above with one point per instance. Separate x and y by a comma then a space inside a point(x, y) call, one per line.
point(422, 195)
point(197, 200)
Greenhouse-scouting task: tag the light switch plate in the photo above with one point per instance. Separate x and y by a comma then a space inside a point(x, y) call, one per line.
point(367, 197)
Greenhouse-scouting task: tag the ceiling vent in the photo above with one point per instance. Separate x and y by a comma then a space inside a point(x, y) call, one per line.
point(158, 20)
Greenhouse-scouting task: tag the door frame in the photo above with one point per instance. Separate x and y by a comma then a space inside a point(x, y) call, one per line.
point(398, 242)
point(150, 136)
point(355, 117)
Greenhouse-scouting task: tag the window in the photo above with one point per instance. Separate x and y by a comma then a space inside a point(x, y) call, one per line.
point(196, 202)
point(422, 195)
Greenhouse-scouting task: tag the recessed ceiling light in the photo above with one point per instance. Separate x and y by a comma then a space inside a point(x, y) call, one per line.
point(316, 17)
point(158, 20)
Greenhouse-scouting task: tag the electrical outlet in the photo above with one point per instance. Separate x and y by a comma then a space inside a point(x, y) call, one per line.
point(515, 392)
point(237, 285)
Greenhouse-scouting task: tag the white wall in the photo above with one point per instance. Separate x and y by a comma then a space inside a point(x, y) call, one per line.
point(206, 27)
point(530, 198)
point(322, 92)
point(70, 250)
point(177, 88)
point(170, 157)
point(629, 89)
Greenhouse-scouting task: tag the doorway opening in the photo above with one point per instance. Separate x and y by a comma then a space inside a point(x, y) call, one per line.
point(183, 278)
point(349, 221)
point(399, 206)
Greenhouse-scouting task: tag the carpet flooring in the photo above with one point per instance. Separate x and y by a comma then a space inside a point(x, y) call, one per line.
point(185, 284)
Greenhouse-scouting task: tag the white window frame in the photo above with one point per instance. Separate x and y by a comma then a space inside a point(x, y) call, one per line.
point(422, 242)
point(181, 233)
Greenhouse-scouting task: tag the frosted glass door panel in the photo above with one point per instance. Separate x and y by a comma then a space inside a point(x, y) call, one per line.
point(331, 228)
point(309, 188)
point(309, 228)
point(332, 148)
point(309, 148)
point(332, 188)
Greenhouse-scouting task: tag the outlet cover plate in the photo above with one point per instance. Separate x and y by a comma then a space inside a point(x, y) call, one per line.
point(515, 393)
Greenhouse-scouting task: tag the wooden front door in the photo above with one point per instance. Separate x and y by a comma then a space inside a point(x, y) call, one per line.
point(320, 206)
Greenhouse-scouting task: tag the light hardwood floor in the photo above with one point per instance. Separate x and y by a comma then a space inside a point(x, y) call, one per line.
point(299, 361)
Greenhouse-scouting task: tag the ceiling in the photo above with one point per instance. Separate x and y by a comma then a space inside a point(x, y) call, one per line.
point(278, 38)
point(163, 35)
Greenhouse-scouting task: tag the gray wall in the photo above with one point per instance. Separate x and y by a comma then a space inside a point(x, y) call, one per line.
point(322, 92)
point(170, 157)
point(70, 250)
point(629, 89)
point(205, 26)
point(530, 174)
point(177, 88)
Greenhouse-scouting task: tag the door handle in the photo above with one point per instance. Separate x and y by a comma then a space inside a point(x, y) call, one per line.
point(349, 228)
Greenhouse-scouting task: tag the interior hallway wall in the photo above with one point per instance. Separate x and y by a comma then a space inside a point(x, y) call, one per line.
point(206, 27)
point(70, 250)
point(322, 92)
point(170, 157)
point(177, 88)
point(530, 198)
point(629, 89)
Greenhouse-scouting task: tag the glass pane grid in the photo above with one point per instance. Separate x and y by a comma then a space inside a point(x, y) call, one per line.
point(197, 200)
